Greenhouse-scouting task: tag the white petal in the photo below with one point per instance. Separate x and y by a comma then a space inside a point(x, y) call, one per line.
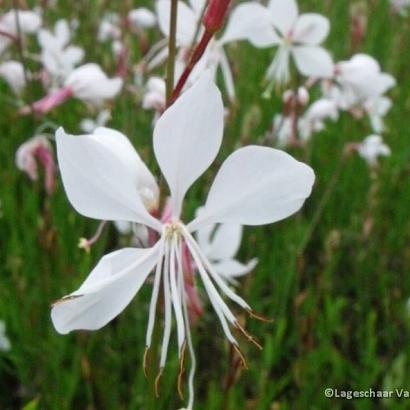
point(197, 6)
point(313, 61)
point(13, 72)
point(188, 136)
point(256, 186)
point(186, 24)
point(88, 82)
point(231, 268)
point(62, 32)
point(109, 288)
point(311, 29)
point(73, 55)
point(100, 176)
point(384, 83)
point(283, 14)
point(146, 183)
point(226, 242)
point(251, 21)
point(47, 40)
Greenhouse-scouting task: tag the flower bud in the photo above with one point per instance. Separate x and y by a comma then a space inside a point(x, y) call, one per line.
point(215, 15)
point(142, 18)
point(37, 150)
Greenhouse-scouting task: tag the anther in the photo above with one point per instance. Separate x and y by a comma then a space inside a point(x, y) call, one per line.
point(258, 316)
point(241, 356)
point(251, 338)
point(145, 361)
point(181, 372)
point(65, 299)
point(157, 381)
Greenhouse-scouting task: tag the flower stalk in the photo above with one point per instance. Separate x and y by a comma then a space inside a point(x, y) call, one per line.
point(171, 49)
point(213, 19)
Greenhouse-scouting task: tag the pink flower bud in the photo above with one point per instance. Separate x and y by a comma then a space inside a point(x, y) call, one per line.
point(37, 150)
point(215, 15)
point(50, 101)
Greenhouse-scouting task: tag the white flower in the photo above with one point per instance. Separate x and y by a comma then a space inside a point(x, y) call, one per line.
point(313, 119)
point(377, 108)
point(5, 344)
point(103, 179)
point(58, 57)
point(300, 37)
point(90, 83)
point(372, 148)
point(322, 109)
point(109, 27)
point(362, 76)
point(220, 244)
point(154, 95)
point(88, 125)
point(29, 22)
point(142, 18)
point(13, 73)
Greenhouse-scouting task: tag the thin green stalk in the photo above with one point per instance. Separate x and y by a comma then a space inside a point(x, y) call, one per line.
point(171, 49)
point(322, 204)
point(19, 43)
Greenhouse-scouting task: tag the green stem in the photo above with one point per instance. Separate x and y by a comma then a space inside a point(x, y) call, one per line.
point(171, 49)
point(153, 360)
point(322, 204)
point(19, 43)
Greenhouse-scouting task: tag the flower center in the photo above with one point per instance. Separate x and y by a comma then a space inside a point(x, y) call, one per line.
point(173, 230)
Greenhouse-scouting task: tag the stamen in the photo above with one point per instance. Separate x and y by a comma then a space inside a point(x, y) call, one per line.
point(65, 299)
point(145, 361)
point(157, 381)
point(181, 372)
point(250, 338)
point(260, 317)
point(222, 285)
point(86, 244)
point(214, 297)
point(176, 300)
point(154, 297)
point(188, 332)
point(241, 356)
point(168, 309)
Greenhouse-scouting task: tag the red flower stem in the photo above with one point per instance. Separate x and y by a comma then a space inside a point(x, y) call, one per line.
point(196, 56)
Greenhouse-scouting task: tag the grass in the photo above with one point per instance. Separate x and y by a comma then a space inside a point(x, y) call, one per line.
point(339, 306)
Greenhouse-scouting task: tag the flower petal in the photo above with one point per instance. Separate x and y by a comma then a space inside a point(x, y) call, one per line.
point(100, 174)
point(283, 14)
point(231, 268)
point(62, 32)
point(311, 29)
point(256, 186)
point(109, 288)
point(186, 24)
point(188, 136)
point(251, 21)
point(146, 183)
point(313, 61)
point(197, 6)
point(226, 242)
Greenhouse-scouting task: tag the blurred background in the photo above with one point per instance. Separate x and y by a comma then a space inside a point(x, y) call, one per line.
point(335, 277)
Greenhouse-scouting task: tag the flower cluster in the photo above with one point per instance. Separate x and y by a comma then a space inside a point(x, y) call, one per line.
point(106, 179)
